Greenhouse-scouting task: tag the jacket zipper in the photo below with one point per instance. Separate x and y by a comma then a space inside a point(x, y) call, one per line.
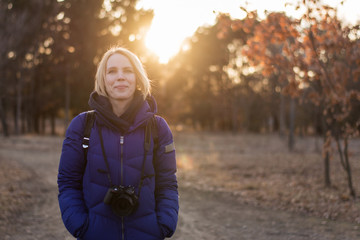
point(122, 181)
point(122, 229)
point(121, 159)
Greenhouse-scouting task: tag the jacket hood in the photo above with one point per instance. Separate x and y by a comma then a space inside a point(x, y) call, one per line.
point(138, 113)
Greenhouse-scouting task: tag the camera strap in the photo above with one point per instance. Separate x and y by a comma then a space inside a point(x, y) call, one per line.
point(89, 122)
point(147, 143)
point(104, 155)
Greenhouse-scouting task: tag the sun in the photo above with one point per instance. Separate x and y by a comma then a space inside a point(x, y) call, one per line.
point(164, 45)
point(174, 21)
point(167, 33)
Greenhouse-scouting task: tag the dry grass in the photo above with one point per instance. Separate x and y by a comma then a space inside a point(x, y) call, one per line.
point(260, 170)
point(14, 198)
point(257, 169)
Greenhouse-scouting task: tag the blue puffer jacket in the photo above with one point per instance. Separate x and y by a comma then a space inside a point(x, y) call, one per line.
point(81, 192)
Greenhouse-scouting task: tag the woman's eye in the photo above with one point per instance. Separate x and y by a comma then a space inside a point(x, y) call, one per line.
point(128, 70)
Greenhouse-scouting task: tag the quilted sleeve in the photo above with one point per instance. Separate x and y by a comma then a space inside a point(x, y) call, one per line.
point(166, 189)
point(73, 210)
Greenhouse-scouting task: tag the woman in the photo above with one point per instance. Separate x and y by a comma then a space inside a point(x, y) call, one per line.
point(120, 191)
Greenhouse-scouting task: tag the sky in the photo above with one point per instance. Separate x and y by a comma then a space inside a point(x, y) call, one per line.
point(175, 20)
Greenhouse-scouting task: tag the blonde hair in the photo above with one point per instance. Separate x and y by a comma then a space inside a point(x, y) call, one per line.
point(142, 80)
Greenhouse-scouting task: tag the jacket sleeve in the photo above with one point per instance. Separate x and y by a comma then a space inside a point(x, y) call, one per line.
point(71, 167)
point(166, 188)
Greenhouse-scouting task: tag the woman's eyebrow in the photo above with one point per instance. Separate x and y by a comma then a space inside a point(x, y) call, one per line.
point(111, 67)
point(129, 66)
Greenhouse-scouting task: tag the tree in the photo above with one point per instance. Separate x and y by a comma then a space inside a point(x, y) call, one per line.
point(19, 44)
point(200, 80)
point(317, 58)
point(265, 50)
point(332, 59)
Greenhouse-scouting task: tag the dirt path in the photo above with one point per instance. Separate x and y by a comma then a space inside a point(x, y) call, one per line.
point(41, 156)
point(204, 214)
point(217, 216)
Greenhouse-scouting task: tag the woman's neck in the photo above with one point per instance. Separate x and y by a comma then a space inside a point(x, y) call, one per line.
point(120, 106)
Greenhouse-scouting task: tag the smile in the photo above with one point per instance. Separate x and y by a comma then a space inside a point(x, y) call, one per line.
point(121, 87)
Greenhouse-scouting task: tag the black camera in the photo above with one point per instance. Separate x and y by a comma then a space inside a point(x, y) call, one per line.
point(123, 200)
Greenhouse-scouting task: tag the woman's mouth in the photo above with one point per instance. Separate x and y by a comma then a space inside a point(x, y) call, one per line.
point(121, 87)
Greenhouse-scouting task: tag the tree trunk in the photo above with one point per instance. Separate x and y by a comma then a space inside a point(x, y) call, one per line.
point(234, 114)
point(327, 176)
point(36, 122)
point(43, 124)
point(29, 120)
point(23, 121)
point(348, 169)
point(52, 122)
point(32, 107)
point(292, 125)
point(67, 102)
point(344, 159)
point(3, 118)
point(18, 105)
point(282, 116)
point(327, 170)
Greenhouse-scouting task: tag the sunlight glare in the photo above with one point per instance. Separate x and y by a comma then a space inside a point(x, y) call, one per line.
point(185, 162)
point(162, 42)
point(176, 20)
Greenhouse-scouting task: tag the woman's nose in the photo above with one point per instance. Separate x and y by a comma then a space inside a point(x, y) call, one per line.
point(120, 75)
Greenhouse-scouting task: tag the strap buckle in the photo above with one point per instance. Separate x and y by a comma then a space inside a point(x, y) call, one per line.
point(86, 141)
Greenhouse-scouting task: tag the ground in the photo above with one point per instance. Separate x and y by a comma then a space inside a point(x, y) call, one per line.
point(231, 187)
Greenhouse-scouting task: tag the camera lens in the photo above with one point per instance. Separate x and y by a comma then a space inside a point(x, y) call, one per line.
point(122, 200)
point(124, 204)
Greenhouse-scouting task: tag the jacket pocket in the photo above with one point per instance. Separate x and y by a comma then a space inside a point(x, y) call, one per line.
point(84, 228)
point(161, 231)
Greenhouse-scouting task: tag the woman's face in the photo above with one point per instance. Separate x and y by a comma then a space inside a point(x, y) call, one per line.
point(120, 78)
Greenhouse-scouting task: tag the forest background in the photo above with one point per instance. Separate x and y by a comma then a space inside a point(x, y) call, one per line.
point(293, 77)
